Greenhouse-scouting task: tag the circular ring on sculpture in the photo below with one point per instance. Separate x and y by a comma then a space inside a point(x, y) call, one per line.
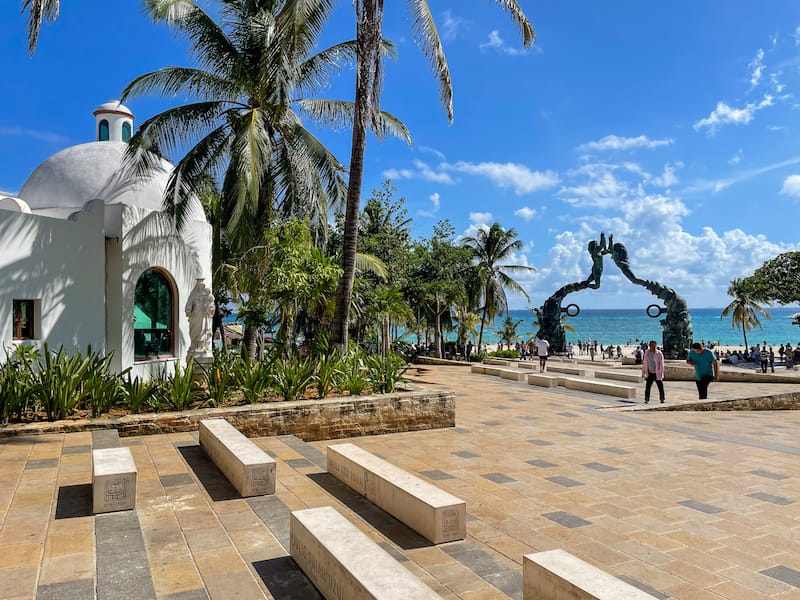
point(659, 310)
point(572, 310)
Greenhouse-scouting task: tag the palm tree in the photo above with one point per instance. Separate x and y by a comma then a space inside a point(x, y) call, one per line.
point(743, 310)
point(508, 335)
point(38, 11)
point(369, 77)
point(490, 248)
point(256, 75)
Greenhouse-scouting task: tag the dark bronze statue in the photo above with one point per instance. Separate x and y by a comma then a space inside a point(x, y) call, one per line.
point(676, 326)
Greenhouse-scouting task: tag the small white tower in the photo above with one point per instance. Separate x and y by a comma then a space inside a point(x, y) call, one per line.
point(113, 122)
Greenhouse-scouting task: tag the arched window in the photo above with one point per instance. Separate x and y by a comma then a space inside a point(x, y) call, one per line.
point(102, 134)
point(153, 316)
point(126, 131)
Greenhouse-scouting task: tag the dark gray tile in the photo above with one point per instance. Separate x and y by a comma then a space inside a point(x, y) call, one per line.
point(644, 587)
point(393, 552)
point(568, 414)
point(600, 467)
point(198, 594)
point(42, 463)
point(493, 423)
point(176, 479)
point(479, 561)
point(460, 430)
point(784, 574)
point(465, 454)
point(526, 417)
point(76, 449)
point(565, 481)
point(285, 580)
point(123, 570)
point(498, 477)
point(501, 407)
point(566, 519)
point(572, 433)
point(613, 450)
point(702, 507)
point(437, 475)
point(105, 438)
point(606, 427)
point(702, 453)
point(770, 498)
point(508, 582)
point(768, 474)
point(275, 515)
point(296, 463)
point(303, 449)
point(82, 589)
point(540, 442)
point(541, 463)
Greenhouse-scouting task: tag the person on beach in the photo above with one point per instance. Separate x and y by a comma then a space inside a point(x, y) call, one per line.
point(543, 347)
point(772, 359)
point(653, 370)
point(706, 368)
point(764, 359)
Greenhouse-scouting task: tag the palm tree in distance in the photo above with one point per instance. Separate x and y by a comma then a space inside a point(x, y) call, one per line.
point(743, 310)
point(490, 247)
point(38, 11)
point(257, 73)
point(369, 77)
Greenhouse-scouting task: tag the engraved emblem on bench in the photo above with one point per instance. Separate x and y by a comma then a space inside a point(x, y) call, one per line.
point(450, 524)
point(114, 491)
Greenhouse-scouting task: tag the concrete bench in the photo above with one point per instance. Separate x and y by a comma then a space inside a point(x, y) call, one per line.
point(478, 368)
point(567, 370)
point(619, 376)
point(343, 563)
point(556, 575)
point(499, 362)
point(543, 380)
point(505, 372)
point(598, 387)
point(249, 469)
point(433, 513)
point(113, 480)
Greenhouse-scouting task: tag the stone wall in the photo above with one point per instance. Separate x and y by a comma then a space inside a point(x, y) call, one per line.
point(787, 401)
point(683, 372)
point(309, 420)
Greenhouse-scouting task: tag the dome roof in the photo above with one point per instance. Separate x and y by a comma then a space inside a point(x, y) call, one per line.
point(113, 106)
point(72, 177)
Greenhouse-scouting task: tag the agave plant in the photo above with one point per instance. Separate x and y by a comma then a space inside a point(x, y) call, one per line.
point(329, 369)
point(291, 377)
point(180, 386)
point(139, 393)
point(385, 372)
point(253, 379)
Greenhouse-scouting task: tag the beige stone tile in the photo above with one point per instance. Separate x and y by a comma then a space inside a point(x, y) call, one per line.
point(175, 577)
point(219, 561)
point(78, 542)
point(72, 567)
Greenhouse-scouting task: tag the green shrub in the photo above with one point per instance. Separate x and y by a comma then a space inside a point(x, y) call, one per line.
point(180, 386)
point(291, 377)
point(138, 393)
point(352, 379)
point(57, 382)
point(385, 372)
point(504, 354)
point(220, 376)
point(16, 382)
point(253, 379)
point(100, 388)
point(329, 370)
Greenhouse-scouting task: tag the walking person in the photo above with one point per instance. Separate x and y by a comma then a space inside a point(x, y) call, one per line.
point(772, 359)
point(653, 370)
point(706, 368)
point(764, 358)
point(543, 347)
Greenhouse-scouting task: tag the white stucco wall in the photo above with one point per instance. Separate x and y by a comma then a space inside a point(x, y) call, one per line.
point(60, 263)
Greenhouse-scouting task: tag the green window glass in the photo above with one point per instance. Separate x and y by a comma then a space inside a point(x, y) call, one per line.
point(126, 132)
point(102, 134)
point(152, 317)
point(23, 319)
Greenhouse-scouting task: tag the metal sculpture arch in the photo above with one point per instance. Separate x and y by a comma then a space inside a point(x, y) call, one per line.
point(676, 325)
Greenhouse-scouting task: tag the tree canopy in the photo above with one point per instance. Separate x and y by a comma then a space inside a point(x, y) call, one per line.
point(777, 280)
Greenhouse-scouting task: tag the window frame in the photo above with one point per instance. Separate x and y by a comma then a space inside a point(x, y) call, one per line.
point(173, 296)
point(100, 137)
point(32, 326)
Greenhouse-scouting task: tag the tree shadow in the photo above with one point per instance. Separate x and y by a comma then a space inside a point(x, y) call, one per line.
point(215, 483)
point(285, 580)
point(399, 533)
point(74, 501)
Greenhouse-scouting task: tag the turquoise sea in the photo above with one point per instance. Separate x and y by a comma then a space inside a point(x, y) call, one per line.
point(617, 326)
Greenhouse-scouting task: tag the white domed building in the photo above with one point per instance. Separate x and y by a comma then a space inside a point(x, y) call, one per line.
point(88, 258)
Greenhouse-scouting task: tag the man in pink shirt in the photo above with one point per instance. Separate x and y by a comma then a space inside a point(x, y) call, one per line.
point(653, 370)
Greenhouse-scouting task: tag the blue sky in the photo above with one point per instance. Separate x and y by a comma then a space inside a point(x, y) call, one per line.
point(673, 126)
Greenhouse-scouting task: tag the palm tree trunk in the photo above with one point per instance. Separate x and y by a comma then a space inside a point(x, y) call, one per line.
point(369, 14)
point(437, 334)
point(744, 333)
point(480, 335)
point(250, 340)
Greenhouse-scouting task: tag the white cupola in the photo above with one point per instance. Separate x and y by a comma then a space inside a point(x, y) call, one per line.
point(113, 122)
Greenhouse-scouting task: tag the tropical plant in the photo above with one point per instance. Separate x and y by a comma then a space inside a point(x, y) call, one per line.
point(39, 11)
point(139, 393)
point(490, 248)
point(352, 378)
point(101, 388)
point(743, 310)
point(291, 377)
point(509, 334)
point(16, 381)
point(777, 280)
point(369, 79)
point(329, 369)
point(57, 382)
point(180, 387)
point(385, 372)
point(220, 376)
point(253, 379)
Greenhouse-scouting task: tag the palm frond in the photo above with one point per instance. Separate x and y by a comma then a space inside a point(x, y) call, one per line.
point(171, 81)
point(427, 38)
point(39, 11)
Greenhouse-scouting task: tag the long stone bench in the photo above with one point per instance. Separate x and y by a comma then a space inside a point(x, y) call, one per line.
point(558, 575)
point(249, 469)
point(113, 480)
point(567, 370)
point(499, 362)
point(433, 513)
point(505, 372)
point(343, 563)
point(543, 380)
point(619, 376)
point(478, 368)
point(598, 387)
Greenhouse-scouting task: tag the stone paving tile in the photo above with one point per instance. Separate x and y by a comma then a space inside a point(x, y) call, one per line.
point(541, 463)
point(498, 477)
point(770, 498)
point(785, 574)
point(596, 466)
point(437, 475)
point(565, 481)
point(465, 454)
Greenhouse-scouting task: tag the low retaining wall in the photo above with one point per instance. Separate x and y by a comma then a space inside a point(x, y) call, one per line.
point(310, 420)
point(787, 401)
point(432, 360)
point(686, 373)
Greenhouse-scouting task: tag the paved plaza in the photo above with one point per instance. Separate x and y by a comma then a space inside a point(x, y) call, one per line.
point(686, 505)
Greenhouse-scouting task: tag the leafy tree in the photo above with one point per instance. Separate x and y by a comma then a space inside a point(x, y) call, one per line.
point(369, 77)
point(489, 249)
point(743, 310)
point(777, 280)
point(508, 334)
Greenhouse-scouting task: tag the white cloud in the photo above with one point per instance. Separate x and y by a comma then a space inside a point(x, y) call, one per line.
point(756, 68)
point(437, 153)
point(776, 84)
point(614, 142)
point(435, 201)
point(480, 218)
point(525, 213)
point(422, 171)
point(434, 198)
point(498, 44)
point(451, 25)
point(736, 158)
point(724, 114)
point(508, 175)
point(791, 186)
point(717, 185)
point(668, 177)
point(797, 36)
point(44, 136)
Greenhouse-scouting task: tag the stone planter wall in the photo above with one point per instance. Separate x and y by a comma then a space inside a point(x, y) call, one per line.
point(309, 420)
